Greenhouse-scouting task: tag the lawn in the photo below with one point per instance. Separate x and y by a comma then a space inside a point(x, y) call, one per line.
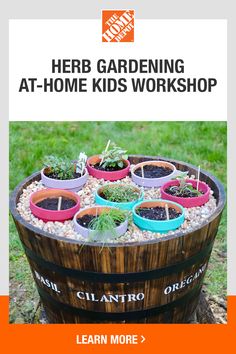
point(201, 143)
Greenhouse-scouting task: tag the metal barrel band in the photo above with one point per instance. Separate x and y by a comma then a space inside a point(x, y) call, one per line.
point(120, 316)
point(120, 277)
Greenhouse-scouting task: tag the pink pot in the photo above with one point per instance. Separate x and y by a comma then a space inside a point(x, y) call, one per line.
point(53, 215)
point(187, 202)
point(108, 176)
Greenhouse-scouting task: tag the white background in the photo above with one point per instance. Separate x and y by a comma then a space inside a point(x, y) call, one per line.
point(201, 43)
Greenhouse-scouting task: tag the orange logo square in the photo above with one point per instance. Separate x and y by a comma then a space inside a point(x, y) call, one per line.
point(118, 25)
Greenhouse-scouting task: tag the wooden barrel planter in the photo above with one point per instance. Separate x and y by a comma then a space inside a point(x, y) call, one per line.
point(156, 281)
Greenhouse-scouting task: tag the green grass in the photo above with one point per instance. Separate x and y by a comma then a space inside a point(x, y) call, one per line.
point(198, 143)
point(201, 143)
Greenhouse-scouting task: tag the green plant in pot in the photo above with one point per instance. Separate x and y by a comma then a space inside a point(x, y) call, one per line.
point(111, 164)
point(119, 195)
point(104, 227)
point(62, 173)
point(187, 192)
point(100, 224)
point(184, 188)
point(113, 158)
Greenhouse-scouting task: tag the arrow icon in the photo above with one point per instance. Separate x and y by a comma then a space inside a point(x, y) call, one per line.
point(142, 339)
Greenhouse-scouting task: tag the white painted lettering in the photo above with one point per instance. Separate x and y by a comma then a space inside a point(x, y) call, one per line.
point(175, 286)
point(140, 296)
point(131, 297)
point(122, 297)
point(182, 284)
point(48, 283)
point(80, 295)
point(186, 281)
point(114, 298)
point(87, 296)
point(189, 279)
point(104, 299)
point(93, 298)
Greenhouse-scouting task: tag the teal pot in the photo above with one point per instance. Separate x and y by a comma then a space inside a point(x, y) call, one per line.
point(124, 206)
point(160, 226)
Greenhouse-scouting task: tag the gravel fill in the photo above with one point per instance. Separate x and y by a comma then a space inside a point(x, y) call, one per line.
point(193, 216)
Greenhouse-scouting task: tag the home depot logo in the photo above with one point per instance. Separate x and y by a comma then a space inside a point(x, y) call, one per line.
point(118, 25)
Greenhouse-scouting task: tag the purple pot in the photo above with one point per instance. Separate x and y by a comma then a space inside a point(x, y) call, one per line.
point(73, 185)
point(153, 182)
point(85, 232)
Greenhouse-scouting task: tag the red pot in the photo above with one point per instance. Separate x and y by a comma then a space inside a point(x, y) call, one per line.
point(53, 215)
point(187, 202)
point(108, 176)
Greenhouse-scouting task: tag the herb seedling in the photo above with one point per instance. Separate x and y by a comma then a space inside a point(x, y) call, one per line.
point(184, 188)
point(60, 168)
point(120, 193)
point(114, 157)
point(64, 168)
point(103, 227)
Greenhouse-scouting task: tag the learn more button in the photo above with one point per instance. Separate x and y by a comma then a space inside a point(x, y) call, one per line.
point(101, 339)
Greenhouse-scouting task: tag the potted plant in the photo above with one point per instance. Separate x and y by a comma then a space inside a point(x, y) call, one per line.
point(111, 165)
point(54, 204)
point(153, 173)
point(100, 223)
point(63, 173)
point(187, 192)
point(123, 196)
point(158, 215)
